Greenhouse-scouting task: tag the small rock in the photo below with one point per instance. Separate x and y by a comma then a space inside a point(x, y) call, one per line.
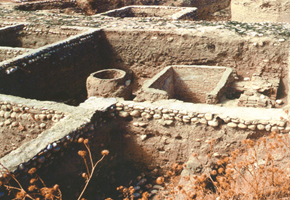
point(194, 120)
point(42, 125)
point(7, 122)
point(14, 124)
point(135, 124)
point(203, 121)
point(275, 129)
point(119, 104)
point(157, 116)
point(142, 124)
point(186, 119)
point(1, 124)
point(242, 126)
point(208, 116)
point(268, 127)
point(200, 115)
point(2, 113)
point(232, 125)
point(279, 101)
point(143, 137)
point(42, 117)
point(123, 114)
point(168, 122)
point(135, 113)
point(48, 116)
point(252, 127)
point(6, 115)
point(281, 123)
point(213, 123)
point(13, 115)
point(261, 127)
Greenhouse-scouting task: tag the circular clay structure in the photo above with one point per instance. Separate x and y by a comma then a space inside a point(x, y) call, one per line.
point(109, 83)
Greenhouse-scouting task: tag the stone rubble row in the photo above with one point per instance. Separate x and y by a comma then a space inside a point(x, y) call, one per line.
point(168, 117)
point(20, 112)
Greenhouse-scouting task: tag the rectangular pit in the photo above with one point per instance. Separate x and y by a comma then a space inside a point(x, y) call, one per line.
point(198, 84)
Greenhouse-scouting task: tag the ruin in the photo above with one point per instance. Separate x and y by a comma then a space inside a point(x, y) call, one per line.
point(197, 84)
point(161, 83)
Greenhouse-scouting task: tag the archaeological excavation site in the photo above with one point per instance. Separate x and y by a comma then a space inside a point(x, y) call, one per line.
point(163, 93)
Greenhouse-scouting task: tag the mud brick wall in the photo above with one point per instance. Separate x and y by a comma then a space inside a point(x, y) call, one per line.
point(165, 82)
point(54, 71)
point(9, 35)
point(192, 84)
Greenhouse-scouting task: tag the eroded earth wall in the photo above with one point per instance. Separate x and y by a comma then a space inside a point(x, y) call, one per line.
point(147, 52)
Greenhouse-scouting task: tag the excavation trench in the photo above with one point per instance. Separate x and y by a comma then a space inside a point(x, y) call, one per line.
point(137, 142)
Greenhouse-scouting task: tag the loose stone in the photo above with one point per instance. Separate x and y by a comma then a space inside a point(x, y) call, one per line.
point(213, 123)
point(7, 122)
point(42, 117)
point(232, 125)
point(157, 116)
point(168, 122)
point(119, 104)
point(261, 127)
point(203, 121)
point(7, 115)
point(200, 115)
point(48, 116)
point(2, 113)
point(13, 115)
point(208, 116)
point(186, 119)
point(146, 115)
point(1, 124)
point(275, 129)
point(142, 124)
point(268, 127)
point(14, 124)
point(195, 120)
point(281, 123)
point(42, 125)
point(242, 126)
point(123, 114)
point(135, 113)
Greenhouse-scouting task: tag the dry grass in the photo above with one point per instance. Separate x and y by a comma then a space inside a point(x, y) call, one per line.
point(37, 189)
point(257, 173)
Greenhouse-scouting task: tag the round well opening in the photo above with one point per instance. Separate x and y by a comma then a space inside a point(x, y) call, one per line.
point(109, 74)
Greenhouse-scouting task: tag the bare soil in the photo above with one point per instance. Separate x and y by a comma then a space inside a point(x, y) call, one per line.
point(12, 137)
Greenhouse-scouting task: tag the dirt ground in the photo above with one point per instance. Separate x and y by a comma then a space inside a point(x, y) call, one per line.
point(15, 132)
